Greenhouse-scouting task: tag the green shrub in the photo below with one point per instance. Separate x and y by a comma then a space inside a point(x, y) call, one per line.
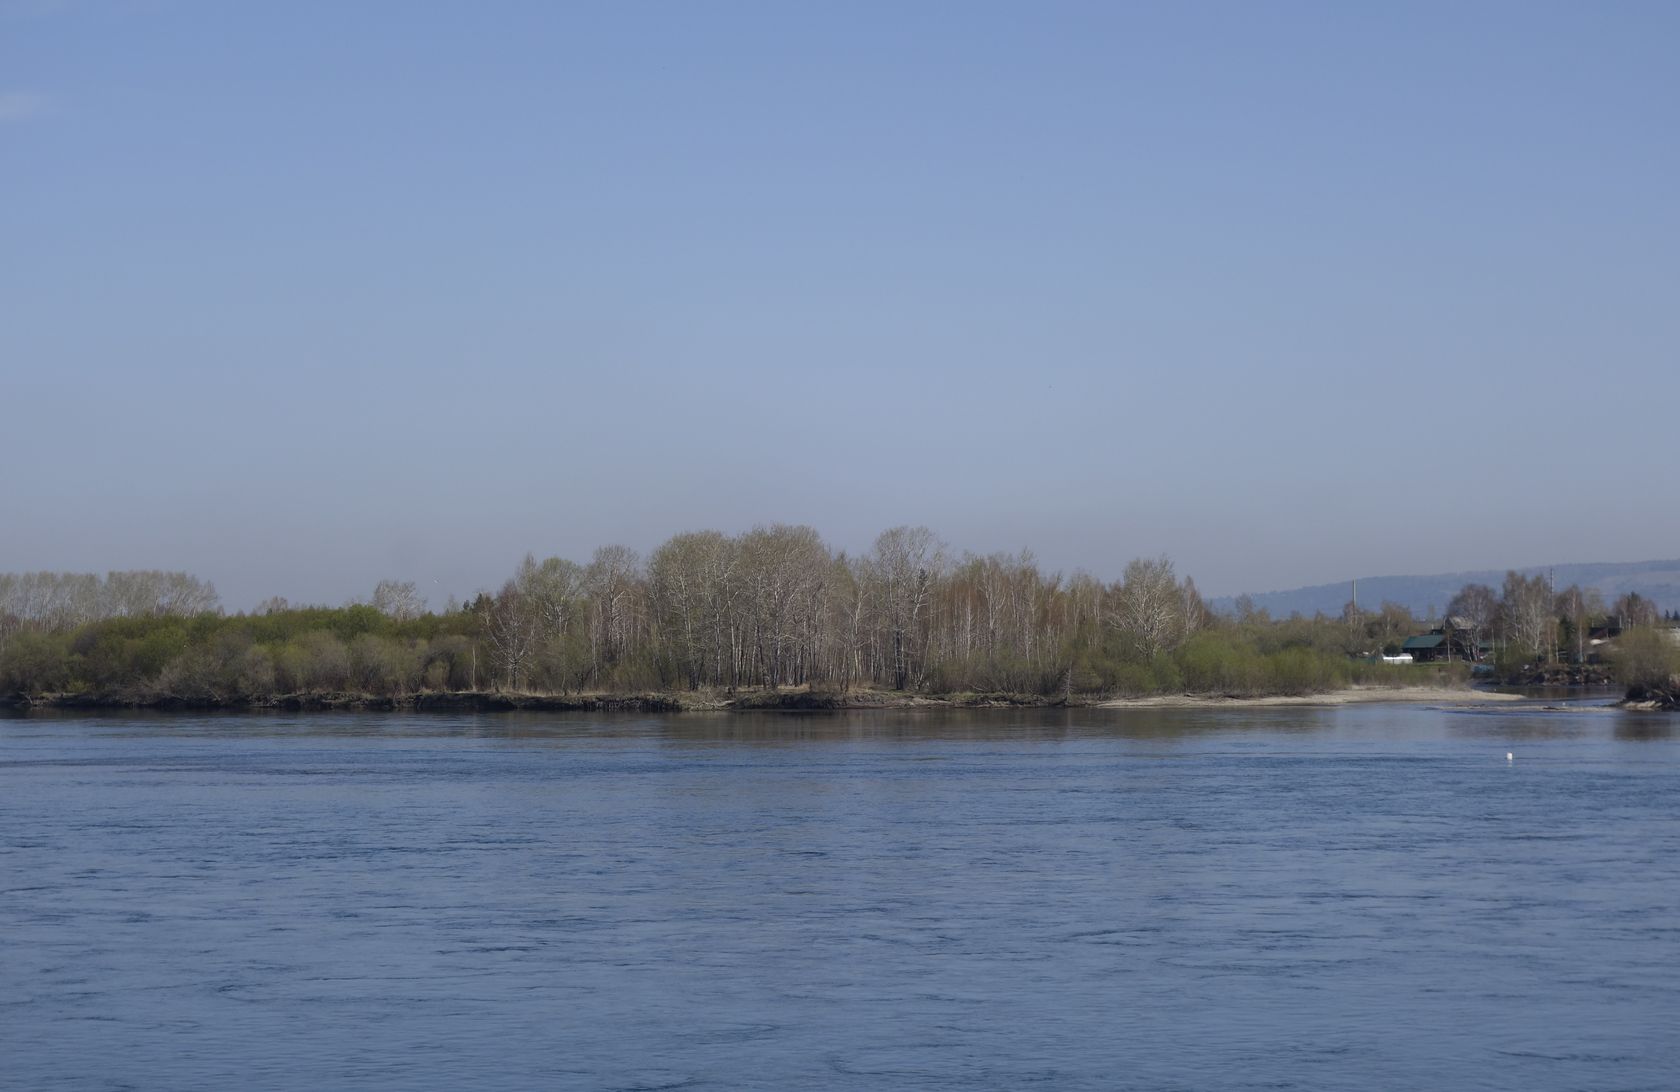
point(35, 663)
point(1646, 659)
point(1302, 671)
point(383, 665)
point(1219, 663)
point(1512, 661)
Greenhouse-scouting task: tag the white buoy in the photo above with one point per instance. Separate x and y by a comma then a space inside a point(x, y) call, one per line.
point(1510, 756)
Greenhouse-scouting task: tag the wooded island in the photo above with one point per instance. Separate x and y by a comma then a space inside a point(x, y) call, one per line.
point(710, 620)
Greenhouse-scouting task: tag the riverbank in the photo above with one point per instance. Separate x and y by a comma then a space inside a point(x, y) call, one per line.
point(1356, 695)
point(497, 701)
point(787, 701)
point(442, 702)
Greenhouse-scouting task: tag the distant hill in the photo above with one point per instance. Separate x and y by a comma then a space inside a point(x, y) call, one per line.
point(1658, 581)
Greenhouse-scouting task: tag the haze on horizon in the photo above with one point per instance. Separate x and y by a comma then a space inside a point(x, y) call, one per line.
point(300, 297)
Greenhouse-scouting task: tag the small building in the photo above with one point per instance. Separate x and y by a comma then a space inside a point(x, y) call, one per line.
point(1452, 640)
point(1425, 648)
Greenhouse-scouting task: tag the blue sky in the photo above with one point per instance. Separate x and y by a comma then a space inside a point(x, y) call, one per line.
point(300, 296)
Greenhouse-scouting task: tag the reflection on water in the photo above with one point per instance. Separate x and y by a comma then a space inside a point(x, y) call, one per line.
point(1363, 897)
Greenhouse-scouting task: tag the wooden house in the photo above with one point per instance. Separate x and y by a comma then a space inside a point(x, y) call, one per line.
point(1454, 639)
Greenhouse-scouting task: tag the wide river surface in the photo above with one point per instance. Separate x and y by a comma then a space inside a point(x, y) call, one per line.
point(1366, 897)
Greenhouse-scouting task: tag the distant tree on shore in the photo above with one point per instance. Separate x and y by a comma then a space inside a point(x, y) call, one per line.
point(1634, 609)
point(56, 601)
point(1148, 607)
point(1478, 606)
point(398, 599)
point(1525, 614)
point(901, 574)
point(1647, 662)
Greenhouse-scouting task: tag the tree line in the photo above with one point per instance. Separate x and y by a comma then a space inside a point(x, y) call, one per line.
point(58, 601)
point(771, 607)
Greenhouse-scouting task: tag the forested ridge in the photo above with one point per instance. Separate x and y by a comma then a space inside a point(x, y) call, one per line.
point(773, 608)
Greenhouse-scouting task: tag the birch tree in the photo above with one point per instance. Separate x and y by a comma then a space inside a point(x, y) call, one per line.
point(691, 590)
point(902, 571)
point(1149, 606)
point(1525, 610)
point(398, 599)
point(613, 583)
point(512, 630)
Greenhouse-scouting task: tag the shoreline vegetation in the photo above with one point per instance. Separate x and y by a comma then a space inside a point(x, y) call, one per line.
point(776, 619)
point(760, 701)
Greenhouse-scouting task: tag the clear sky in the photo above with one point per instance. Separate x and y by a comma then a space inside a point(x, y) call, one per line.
point(297, 296)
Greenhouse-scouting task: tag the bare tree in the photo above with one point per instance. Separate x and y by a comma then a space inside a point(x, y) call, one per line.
point(1148, 605)
point(1633, 609)
point(1525, 612)
point(613, 580)
point(554, 589)
point(1194, 615)
point(184, 594)
point(513, 629)
point(398, 599)
point(691, 592)
point(849, 591)
point(1478, 606)
point(1575, 610)
point(783, 607)
point(902, 570)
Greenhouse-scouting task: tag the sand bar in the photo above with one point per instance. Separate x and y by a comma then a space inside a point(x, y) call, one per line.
point(1441, 695)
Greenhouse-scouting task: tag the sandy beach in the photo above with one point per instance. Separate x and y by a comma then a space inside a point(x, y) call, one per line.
point(1440, 695)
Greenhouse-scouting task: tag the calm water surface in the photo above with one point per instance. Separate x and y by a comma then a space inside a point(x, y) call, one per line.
point(1356, 898)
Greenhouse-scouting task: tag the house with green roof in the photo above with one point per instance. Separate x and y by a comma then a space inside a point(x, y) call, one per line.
point(1454, 639)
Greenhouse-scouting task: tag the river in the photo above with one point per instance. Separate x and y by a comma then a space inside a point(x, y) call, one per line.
point(1370, 897)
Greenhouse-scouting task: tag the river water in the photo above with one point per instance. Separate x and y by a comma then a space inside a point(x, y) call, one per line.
point(1367, 897)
